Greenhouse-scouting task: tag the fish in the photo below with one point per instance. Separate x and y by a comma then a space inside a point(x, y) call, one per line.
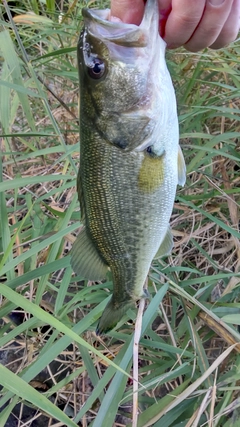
point(130, 158)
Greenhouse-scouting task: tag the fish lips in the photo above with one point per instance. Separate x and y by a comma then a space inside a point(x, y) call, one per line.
point(99, 25)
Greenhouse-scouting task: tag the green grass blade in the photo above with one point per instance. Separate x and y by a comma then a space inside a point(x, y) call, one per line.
point(13, 383)
point(49, 319)
point(108, 410)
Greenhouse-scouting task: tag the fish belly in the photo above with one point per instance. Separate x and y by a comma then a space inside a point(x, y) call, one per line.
point(128, 202)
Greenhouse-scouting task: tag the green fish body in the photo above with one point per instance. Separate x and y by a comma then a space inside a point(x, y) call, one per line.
point(130, 162)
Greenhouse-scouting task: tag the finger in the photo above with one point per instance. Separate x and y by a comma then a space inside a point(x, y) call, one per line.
point(128, 11)
point(165, 7)
point(214, 17)
point(230, 29)
point(182, 21)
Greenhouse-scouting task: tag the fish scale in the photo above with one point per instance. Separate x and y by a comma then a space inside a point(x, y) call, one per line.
point(130, 162)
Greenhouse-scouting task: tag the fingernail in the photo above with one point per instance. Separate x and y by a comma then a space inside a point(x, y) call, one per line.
point(216, 2)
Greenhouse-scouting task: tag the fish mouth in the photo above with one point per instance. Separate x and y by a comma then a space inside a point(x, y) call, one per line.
point(99, 25)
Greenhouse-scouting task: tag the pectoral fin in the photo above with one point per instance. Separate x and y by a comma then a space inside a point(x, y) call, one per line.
point(166, 245)
point(85, 259)
point(181, 168)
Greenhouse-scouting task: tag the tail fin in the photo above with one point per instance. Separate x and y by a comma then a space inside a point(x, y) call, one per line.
point(112, 314)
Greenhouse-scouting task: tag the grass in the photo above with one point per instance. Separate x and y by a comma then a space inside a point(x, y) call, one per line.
point(54, 370)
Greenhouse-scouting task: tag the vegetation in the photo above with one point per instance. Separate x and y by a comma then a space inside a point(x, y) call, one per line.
point(54, 369)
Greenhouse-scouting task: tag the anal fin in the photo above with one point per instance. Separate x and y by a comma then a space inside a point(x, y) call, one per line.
point(181, 168)
point(166, 245)
point(85, 259)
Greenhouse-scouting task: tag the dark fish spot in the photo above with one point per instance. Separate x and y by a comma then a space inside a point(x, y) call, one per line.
point(149, 150)
point(120, 143)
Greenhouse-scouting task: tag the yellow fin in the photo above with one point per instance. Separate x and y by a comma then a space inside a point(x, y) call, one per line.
point(85, 259)
point(166, 245)
point(181, 168)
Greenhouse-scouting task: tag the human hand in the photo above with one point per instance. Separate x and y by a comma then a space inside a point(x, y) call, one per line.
point(194, 24)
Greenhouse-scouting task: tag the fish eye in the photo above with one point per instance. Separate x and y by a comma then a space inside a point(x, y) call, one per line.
point(97, 69)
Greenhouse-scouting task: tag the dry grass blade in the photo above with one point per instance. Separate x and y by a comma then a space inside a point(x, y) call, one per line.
point(137, 335)
point(187, 393)
point(220, 329)
point(213, 401)
point(233, 333)
point(197, 287)
point(194, 420)
point(229, 409)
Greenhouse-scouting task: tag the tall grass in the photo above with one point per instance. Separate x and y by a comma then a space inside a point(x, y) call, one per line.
point(53, 366)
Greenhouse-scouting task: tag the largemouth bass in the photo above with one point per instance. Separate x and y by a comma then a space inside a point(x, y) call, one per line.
point(130, 162)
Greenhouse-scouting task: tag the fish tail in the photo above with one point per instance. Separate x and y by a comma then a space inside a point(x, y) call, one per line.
point(112, 314)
